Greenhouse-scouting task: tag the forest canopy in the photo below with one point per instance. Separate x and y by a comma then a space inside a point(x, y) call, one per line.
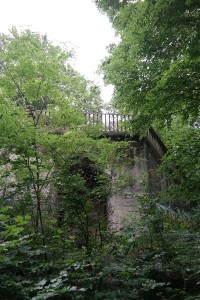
point(155, 67)
point(35, 73)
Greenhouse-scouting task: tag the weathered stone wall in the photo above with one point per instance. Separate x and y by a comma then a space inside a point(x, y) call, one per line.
point(137, 178)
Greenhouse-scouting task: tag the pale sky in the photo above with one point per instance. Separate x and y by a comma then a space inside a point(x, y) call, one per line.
point(75, 21)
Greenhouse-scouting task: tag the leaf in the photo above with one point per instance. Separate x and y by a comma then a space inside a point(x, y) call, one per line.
point(72, 288)
point(42, 282)
point(19, 219)
point(4, 209)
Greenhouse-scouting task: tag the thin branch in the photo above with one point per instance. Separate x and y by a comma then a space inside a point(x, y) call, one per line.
point(39, 87)
point(19, 89)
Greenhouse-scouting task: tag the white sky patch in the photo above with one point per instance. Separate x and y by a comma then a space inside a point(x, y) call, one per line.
point(75, 21)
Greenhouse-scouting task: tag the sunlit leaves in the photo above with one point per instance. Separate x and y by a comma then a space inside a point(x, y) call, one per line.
point(33, 69)
point(35, 73)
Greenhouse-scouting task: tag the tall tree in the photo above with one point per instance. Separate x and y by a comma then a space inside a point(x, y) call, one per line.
point(35, 73)
point(155, 67)
point(45, 177)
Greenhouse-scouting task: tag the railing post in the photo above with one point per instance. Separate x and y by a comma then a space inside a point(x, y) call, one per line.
point(93, 118)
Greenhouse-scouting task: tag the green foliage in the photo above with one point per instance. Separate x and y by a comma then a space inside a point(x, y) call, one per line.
point(36, 163)
point(111, 7)
point(182, 166)
point(155, 258)
point(155, 72)
point(155, 66)
point(35, 73)
point(54, 242)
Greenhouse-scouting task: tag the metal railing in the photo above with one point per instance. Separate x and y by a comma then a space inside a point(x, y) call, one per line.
point(109, 122)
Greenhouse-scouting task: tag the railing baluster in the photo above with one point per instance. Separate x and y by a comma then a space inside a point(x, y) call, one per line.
point(89, 118)
point(93, 118)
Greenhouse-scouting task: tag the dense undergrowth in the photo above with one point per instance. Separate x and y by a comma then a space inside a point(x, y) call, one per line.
point(155, 258)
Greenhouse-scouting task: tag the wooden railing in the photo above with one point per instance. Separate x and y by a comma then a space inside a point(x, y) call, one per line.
point(109, 122)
